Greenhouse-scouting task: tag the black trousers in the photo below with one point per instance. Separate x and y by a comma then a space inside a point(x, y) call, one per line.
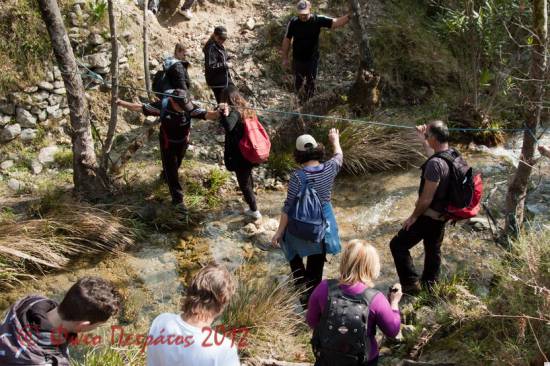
point(305, 71)
point(172, 155)
point(187, 5)
point(309, 275)
point(431, 232)
point(246, 184)
point(218, 89)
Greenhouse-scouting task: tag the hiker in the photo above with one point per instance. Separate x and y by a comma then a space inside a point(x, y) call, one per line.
point(304, 31)
point(174, 73)
point(216, 64)
point(234, 110)
point(192, 336)
point(544, 151)
point(352, 302)
point(316, 240)
point(38, 330)
point(185, 9)
point(175, 114)
point(427, 222)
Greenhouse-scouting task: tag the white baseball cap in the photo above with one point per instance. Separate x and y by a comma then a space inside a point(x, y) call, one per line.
point(303, 7)
point(305, 143)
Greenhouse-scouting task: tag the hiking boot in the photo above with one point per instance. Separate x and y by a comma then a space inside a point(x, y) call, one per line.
point(256, 215)
point(412, 289)
point(186, 14)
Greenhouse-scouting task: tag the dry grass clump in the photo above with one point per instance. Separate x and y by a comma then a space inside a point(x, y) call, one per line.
point(65, 231)
point(512, 321)
point(267, 308)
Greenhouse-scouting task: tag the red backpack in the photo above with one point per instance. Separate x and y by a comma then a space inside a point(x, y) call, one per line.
point(465, 187)
point(254, 144)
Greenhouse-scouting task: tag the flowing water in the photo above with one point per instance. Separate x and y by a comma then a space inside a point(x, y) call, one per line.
point(369, 207)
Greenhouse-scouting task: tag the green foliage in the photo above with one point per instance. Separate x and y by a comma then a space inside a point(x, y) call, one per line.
point(511, 321)
point(109, 356)
point(98, 10)
point(64, 158)
point(281, 163)
point(24, 43)
point(413, 62)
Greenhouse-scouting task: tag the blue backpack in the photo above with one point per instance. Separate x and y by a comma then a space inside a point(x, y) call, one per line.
point(305, 218)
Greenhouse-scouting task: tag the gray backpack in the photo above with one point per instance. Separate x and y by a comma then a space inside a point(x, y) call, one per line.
point(341, 336)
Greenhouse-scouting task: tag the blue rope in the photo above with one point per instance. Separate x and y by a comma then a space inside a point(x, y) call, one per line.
point(316, 116)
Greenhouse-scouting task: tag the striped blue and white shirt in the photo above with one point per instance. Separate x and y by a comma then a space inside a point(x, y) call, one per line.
point(321, 177)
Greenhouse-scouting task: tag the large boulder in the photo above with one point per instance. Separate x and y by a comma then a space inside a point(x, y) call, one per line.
point(25, 118)
point(97, 60)
point(10, 132)
point(45, 85)
point(47, 154)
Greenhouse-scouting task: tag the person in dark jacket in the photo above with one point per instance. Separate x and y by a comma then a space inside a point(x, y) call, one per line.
point(175, 114)
point(177, 68)
point(234, 110)
point(38, 330)
point(216, 64)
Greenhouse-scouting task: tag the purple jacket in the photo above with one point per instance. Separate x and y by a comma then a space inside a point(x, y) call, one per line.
point(380, 312)
point(26, 343)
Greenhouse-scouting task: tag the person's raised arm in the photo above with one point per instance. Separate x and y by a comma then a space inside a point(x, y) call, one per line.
point(334, 138)
point(137, 107)
point(421, 133)
point(340, 22)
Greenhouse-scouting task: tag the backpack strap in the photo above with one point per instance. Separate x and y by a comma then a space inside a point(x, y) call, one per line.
point(303, 179)
point(368, 294)
point(164, 107)
point(333, 291)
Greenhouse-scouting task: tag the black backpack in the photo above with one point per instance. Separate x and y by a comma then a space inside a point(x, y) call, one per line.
point(465, 187)
point(161, 83)
point(341, 336)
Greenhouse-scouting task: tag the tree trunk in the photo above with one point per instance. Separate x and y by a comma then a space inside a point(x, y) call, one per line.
point(364, 95)
point(517, 190)
point(146, 50)
point(114, 90)
point(88, 181)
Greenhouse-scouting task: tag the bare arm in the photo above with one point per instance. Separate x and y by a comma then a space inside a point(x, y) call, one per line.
point(285, 48)
point(283, 222)
point(423, 202)
point(137, 107)
point(340, 22)
point(334, 138)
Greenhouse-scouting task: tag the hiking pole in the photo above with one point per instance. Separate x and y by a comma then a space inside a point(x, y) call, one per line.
point(237, 76)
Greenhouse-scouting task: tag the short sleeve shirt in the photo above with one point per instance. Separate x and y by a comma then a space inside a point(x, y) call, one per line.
point(437, 170)
point(305, 36)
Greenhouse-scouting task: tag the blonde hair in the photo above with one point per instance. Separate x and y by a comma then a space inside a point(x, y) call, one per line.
point(209, 292)
point(360, 263)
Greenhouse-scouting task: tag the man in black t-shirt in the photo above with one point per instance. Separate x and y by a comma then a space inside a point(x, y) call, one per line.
point(427, 222)
point(175, 114)
point(304, 31)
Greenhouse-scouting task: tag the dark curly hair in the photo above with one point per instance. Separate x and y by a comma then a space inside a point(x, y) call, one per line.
point(317, 153)
point(90, 299)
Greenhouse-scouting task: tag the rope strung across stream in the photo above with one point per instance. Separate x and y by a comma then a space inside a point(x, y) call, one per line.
point(99, 78)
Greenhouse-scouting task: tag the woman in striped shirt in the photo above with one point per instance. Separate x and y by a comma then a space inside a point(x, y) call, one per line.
point(320, 176)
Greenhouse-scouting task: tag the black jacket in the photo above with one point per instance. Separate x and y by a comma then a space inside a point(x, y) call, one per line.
point(216, 70)
point(177, 75)
point(234, 131)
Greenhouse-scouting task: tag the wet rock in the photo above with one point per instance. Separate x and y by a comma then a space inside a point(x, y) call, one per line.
point(47, 154)
point(28, 134)
point(25, 118)
point(36, 167)
point(10, 132)
point(249, 229)
point(6, 164)
point(45, 85)
point(15, 185)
